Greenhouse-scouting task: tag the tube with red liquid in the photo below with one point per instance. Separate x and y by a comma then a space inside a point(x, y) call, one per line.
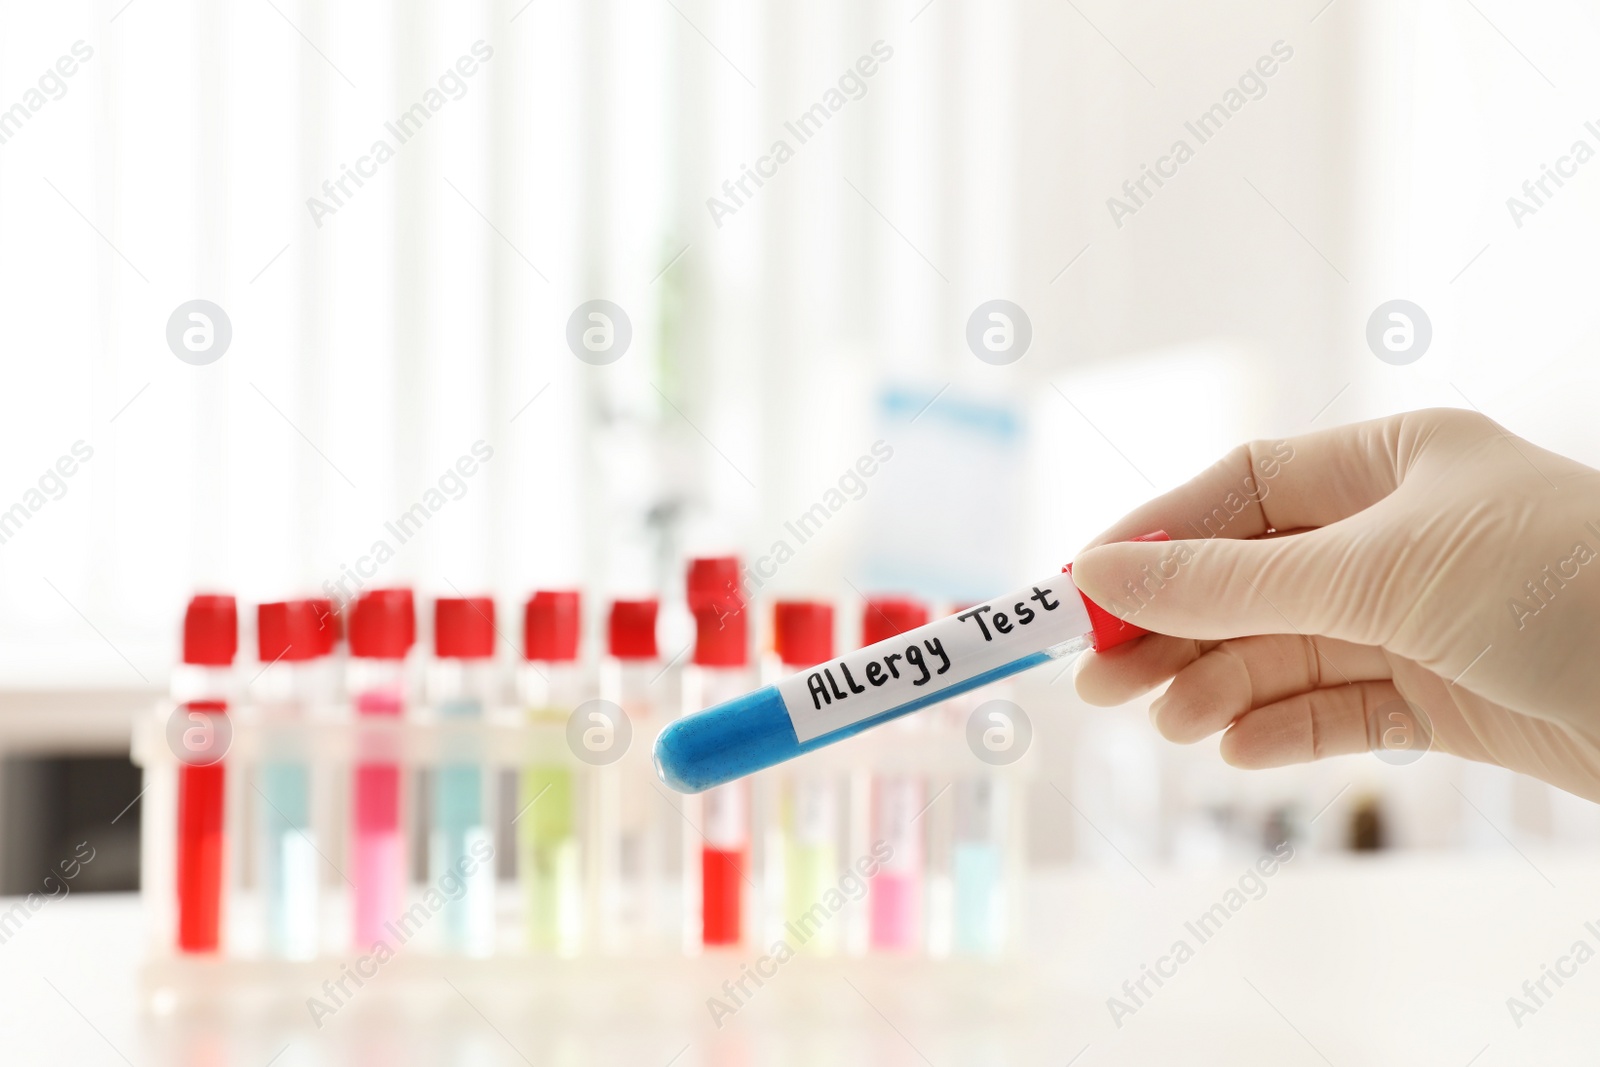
point(203, 686)
point(383, 627)
point(720, 671)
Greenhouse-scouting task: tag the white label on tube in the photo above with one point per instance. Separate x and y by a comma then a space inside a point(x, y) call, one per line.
point(870, 681)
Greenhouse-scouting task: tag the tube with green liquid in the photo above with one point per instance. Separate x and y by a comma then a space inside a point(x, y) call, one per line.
point(803, 637)
point(549, 855)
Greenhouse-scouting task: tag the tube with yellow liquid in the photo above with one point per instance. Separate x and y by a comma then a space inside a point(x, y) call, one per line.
point(803, 637)
point(549, 857)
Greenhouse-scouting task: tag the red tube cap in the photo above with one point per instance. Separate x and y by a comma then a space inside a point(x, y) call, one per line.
point(631, 629)
point(550, 625)
point(211, 630)
point(1110, 631)
point(329, 621)
point(713, 584)
point(383, 624)
point(463, 627)
point(803, 632)
point(891, 616)
point(721, 630)
point(293, 630)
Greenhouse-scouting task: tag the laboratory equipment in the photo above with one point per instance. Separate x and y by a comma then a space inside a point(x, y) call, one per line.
point(896, 893)
point(383, 627)
point(295, 639)
point(552, 684)
point(203, 687)
point(719, 670)
point(806, 853)
point(462, 685)
point(1046, 620)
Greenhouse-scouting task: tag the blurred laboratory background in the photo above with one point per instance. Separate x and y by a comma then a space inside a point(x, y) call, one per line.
point(796, 213)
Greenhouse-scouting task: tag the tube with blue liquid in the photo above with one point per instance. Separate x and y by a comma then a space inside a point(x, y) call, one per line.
point(295, 639)
point(978, 865)
point(1046, 620)
point(463, 684)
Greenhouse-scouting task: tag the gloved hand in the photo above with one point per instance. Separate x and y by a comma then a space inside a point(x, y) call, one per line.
point(1331, 585)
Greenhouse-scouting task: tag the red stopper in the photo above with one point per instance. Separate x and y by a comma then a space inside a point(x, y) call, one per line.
point(891, 616)
point(330, 624)
point(1110, 631)
point(803, 632)
point(631, 629)
point(463, 627)
point(293, 630)
point(211, 630)
point(383, 624)
point(550, 626)
point(720, 626)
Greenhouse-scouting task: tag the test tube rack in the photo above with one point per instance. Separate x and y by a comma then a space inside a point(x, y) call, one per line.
point(657, 947)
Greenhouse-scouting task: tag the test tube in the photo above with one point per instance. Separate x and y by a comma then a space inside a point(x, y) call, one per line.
point(383, 627)
point(635, 828)
point(720, 671)
point(977, 864)
point(895, 895)
point(803, 637)
point(462, 684)
point(295, 639)
point(549, 860)
point(1047, 620)
point(202, 687)
point(974, 919)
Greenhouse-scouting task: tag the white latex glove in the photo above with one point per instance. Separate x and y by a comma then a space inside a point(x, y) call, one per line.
point(1333, 576)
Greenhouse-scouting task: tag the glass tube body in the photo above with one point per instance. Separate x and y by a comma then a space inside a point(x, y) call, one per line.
point(203, 695)
point(549, 856)
point(724, 858)
point(461, 839)
point(287, 697)
point(378, 692)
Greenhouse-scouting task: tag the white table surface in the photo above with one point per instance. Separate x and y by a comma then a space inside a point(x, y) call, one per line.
point(1394, 960)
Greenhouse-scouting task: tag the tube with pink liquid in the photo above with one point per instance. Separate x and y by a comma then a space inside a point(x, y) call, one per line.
point(382, 630)
point(895, 897)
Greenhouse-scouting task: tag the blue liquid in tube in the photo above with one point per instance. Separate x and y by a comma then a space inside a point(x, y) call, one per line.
point(845, 695)
point(754, 732)
point(461, 833)
point(288, 860)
